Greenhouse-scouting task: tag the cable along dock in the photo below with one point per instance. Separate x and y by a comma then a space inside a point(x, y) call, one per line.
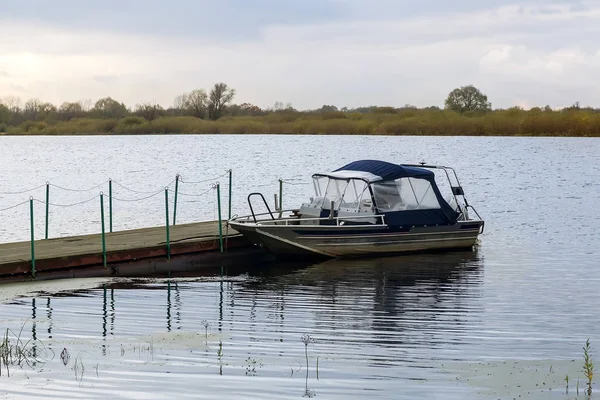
point(144, 251)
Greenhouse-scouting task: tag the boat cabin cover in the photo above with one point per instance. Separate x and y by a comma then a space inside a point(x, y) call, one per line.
point(406, 196)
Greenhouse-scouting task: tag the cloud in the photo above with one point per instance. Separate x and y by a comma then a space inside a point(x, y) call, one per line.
point(517, 54)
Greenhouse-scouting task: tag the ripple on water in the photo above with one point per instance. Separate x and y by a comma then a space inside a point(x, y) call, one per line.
point(449, 326)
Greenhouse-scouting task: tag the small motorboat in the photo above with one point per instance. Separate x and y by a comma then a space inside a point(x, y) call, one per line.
point(370, 207)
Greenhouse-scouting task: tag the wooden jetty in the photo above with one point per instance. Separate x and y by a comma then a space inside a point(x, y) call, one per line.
point(75, 253)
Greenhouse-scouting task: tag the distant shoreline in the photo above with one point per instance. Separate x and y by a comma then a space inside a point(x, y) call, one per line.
point(566, 123)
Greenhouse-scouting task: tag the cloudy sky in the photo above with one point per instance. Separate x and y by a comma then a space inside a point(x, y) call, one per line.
point(306, 52)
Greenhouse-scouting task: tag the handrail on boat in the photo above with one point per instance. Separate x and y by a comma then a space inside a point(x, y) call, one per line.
point(266, 204)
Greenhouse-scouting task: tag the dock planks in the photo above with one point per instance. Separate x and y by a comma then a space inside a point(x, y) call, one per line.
point(130, 245)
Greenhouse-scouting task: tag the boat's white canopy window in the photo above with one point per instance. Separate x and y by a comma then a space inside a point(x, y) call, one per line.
point(356, 192)
point(404, 194)
point(334, 193)
point(345, 193)
point(320, 184)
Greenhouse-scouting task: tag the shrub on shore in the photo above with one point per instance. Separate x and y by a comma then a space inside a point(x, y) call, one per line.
point(512, 122)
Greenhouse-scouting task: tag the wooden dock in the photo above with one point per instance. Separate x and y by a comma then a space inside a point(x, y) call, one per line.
point(78, 252)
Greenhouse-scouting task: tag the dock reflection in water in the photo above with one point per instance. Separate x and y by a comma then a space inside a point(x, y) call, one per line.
point(373, 321)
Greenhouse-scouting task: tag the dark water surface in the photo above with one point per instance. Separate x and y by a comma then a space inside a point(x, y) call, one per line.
point(504, 320)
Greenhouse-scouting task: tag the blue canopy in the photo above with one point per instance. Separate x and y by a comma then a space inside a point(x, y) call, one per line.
point(374, 171)
point(385, 170)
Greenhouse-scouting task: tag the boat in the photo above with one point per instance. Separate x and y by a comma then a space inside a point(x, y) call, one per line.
point(369, 207)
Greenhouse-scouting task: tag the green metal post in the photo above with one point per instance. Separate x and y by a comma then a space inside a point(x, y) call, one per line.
point(47, 206)
point(220, 218)
point(230, 173)
point(32, 238)
point(280, 194)
point(167, 224)
point(103, 229)
point(175, 201)
point(110, 219)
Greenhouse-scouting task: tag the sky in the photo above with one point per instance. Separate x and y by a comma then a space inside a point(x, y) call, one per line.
point(304, 52)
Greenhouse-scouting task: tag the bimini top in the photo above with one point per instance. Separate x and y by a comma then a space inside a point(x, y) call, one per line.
point(374, 171)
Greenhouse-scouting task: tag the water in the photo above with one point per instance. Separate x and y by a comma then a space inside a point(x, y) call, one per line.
point(505, 320)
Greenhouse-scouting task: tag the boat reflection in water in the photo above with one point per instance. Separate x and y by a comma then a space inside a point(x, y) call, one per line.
point(372, 320)
point(409, 300)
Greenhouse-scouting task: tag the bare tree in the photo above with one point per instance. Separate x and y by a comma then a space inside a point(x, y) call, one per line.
point(46, 109)
point(150, 111)
point(220, 96)
point(180, 104)
point(32, 109)
point(86, 105)
point(13, 103)
point(197, 102)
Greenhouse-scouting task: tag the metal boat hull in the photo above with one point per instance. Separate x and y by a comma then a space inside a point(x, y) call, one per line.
point(352, 241)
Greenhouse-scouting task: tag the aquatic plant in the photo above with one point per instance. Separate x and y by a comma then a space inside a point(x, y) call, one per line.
point(15, 351)
point(567, 380)
point(220, 357)
point(205, 324)
point(78, 368)
point(588, 366)
point(307, 339)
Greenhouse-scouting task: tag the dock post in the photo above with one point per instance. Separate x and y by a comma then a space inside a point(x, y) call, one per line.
point(32, 238)
point(47, 206)
point(103, 230)
point(167, 223)
point(280, 194)
point(175, 200)
point(110, 219)
point(230, 179)
point(220, 218)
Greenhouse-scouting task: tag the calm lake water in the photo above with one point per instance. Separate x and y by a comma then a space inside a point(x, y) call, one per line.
point(503, 321)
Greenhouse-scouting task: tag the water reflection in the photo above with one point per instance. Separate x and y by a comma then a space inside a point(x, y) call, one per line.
point(33, 331)
point(385, 290)
point(367, 316)
point(49, 316)
point(398, 300)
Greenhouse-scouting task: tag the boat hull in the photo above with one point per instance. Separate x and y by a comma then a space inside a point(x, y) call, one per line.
point(355, 241)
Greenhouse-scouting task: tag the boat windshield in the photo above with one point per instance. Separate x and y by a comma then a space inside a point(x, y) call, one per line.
point(404, 194)
point(334, 193)
point(344, 193)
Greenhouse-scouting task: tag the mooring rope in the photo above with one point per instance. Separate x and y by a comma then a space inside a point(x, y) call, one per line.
point(203, 181)
point(15, 206)
point(23, 191)
point(192, 195)
point(67, 205)
point(79, 190)
point(140, 191)
point(141, 198)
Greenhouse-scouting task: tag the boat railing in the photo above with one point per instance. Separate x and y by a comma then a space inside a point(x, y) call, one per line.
point(293, 219)
point(264, 201)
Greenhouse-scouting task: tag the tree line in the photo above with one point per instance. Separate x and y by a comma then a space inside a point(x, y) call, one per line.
point(466, 111)
point(197, 103)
